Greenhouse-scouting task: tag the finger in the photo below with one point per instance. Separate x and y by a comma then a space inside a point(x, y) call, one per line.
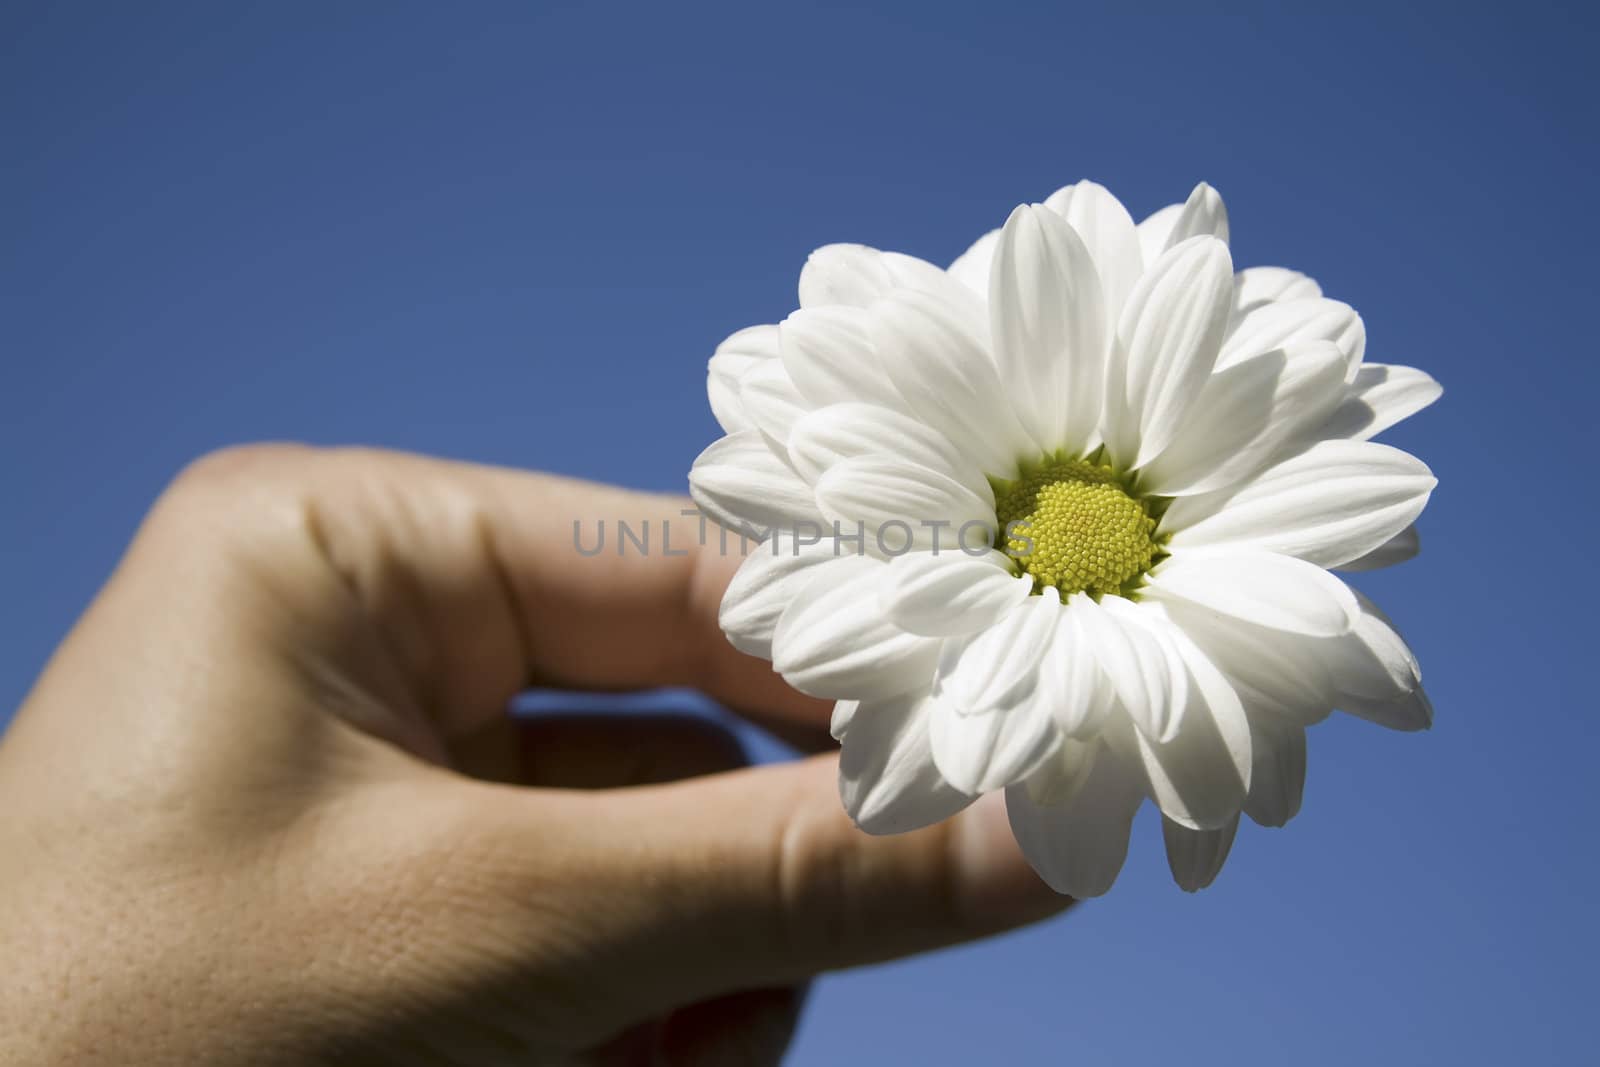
point(576, 750)
point(482, 580)
point(758, 878)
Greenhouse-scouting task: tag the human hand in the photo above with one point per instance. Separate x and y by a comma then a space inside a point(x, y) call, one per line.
point(265, 806)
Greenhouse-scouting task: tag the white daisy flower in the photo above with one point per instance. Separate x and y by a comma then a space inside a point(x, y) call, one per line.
point(1060, 521)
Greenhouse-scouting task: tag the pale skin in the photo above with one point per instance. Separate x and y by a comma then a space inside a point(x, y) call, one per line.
point(266, 805)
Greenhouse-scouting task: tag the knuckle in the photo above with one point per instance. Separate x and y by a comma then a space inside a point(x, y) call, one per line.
point(243, 502)
point(222, 483)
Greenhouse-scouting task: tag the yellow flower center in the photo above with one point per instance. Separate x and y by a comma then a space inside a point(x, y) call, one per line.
point(1071, 524)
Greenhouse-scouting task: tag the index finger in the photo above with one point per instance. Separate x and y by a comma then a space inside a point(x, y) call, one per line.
point(491, 580)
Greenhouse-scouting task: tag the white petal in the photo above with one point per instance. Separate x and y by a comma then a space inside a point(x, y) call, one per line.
point(1233, 410)
point(1264, 588)
point(1414, 711)
point(744, 487)
point(996, 670)
point(1168, 340)
point(1078, 847)
point(960, 302)
point(981, 753)
point(1278, 769)
point(992, 725)
point(734, 358)
point(948, 379)
point(1058, 777)
point(839, 432)
point(725, 404)
point(844, 712)
point(1081, 695)
point(1285, 673)
point(1256, 287)
point(1108, 231)
point(971, 268)
point(1200, 775)
point(887, 778)
point(1142, 668)
point(766, 583)
point(844, 274)
point(1381, 395)
point(830, 358)
point(1332, 503)
point(772, 404)
point(1244, 416)
point(904, 507)
point(746, 349)
point(1195, 857)
point(1154, 232)
point(1399, 548)
point(858, 276)
point(834, 642)
point(1048, 323)
point(1286, 322)
point(1394, 669)
point(1377, 677)
point(1203, 214)
point(909, 272)
point(950, 592)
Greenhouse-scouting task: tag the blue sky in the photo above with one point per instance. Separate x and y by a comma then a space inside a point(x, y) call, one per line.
point(514, 232)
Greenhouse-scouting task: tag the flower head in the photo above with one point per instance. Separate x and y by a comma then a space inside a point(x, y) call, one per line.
point(1060, 521)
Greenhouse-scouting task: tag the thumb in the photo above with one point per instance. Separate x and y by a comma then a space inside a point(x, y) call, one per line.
point(757, 878)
